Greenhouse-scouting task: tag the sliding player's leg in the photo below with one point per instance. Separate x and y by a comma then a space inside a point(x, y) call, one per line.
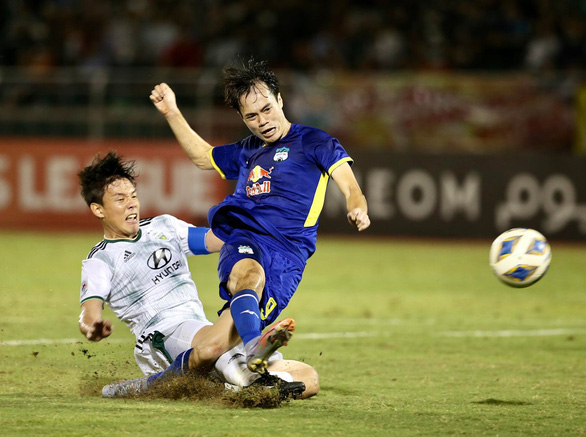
point(299, 372)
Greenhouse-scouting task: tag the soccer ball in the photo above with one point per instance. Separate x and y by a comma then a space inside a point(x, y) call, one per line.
point(520, 257)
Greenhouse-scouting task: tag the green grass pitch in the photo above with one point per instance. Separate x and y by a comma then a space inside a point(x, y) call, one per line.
point(409, 337)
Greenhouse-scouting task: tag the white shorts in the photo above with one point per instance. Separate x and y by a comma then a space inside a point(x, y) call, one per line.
point(154, 358)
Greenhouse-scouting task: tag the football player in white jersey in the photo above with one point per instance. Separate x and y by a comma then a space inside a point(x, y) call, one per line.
point(140, 271)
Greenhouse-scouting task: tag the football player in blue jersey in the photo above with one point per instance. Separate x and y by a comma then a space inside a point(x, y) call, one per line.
point(269, 225)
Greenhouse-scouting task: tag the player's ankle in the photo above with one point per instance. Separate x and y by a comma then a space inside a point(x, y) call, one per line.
point(249, 345)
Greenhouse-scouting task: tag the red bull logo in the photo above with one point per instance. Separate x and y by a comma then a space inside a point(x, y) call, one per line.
point(261, 187)
point(258, 173)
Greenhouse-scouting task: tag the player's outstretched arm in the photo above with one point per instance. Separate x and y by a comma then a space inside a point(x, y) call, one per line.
point(90, 321)
point(196, 147)
point(213, 243)
point(355, 200)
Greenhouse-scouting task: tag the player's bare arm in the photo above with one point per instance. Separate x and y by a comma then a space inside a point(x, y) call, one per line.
point(196, 147)
point(213, 243)
point(355, 200)
point(91, 323)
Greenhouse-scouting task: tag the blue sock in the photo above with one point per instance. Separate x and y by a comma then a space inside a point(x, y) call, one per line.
point(246, 314)
point(177, 367)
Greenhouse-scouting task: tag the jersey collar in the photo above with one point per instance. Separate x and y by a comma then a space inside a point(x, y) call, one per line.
point(127, 240)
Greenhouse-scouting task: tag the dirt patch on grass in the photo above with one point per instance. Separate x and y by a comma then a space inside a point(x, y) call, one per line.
point(195, 388)
point(208, 389)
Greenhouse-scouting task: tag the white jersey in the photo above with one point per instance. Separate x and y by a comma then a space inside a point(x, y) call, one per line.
point(145, 281)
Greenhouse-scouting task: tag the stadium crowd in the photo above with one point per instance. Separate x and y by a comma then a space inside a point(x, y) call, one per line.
point(362, 35)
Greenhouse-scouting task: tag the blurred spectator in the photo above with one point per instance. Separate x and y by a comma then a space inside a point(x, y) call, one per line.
point(543, 48)
point(157, 34)
point(121, 34)
point(185, 51)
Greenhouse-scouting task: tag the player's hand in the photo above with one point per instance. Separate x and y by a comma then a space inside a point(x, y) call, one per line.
point(164, 100)
point(99, 330)
point(359, 218)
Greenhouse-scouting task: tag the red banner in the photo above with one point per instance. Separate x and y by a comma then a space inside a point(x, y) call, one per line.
point(39, 188)
point(437, 112)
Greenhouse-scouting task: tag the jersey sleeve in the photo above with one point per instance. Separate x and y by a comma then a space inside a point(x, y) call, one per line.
point(225, 159)
point(96, 279)
point(192, 238)
point(329, 154)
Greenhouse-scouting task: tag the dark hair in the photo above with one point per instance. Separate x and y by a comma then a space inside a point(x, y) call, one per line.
point(95, 178)
point(240, 79)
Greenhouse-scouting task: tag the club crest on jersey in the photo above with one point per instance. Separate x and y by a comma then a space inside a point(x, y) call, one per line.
point(158, 235)
point(281, 154)
point(245, 249)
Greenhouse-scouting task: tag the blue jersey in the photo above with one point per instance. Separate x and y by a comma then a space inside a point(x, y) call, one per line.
point(281, 187)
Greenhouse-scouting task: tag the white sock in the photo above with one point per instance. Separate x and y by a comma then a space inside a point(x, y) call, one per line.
point(248, 346)
point(232, 368)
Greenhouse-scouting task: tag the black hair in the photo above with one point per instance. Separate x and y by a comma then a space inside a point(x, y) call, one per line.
point(95, 178)
point(240, 79)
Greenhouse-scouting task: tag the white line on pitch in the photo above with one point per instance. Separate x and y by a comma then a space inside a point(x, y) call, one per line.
point(325, 335)
point(332, 335)
point(514, 333)
point(367, 321)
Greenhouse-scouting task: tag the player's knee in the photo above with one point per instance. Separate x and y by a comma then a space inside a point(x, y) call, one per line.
point(311, 380)
point(247, 274)
point(204, 356)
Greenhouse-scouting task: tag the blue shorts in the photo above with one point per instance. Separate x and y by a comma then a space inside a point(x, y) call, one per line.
point(283, 271)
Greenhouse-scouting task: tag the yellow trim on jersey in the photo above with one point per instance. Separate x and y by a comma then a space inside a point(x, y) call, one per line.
point(215, 165)
point(318, 201)
point(339, 163)
point(320, 194)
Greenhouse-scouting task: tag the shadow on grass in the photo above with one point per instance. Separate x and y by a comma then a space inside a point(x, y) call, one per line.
point(492, 401)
